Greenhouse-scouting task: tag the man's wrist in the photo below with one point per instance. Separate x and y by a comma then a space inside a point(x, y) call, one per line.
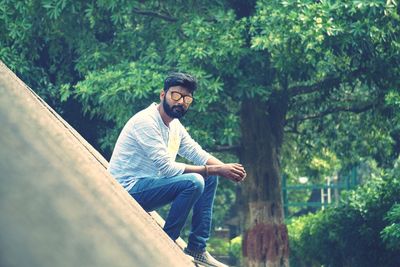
point(206, 174)
point(212, 169)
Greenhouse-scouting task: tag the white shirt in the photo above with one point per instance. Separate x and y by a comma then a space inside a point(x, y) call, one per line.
point(147, 148)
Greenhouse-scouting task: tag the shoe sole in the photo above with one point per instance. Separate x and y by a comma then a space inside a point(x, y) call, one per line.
point(204, 264)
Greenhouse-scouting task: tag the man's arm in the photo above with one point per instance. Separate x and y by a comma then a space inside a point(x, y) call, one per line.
point(231, 171)
point(207, 164)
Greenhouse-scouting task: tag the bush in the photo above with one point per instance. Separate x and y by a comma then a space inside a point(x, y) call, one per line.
point(391, 233)
point(235, 250)
point(356, 234)
point(218, 246)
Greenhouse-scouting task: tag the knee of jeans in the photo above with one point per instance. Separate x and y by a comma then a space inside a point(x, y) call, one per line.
point(198, 182)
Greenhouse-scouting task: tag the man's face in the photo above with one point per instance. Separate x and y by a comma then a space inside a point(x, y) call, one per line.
point(176, 101)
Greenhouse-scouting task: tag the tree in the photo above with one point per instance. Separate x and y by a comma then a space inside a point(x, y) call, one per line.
point(270, 72)
point(328, 58)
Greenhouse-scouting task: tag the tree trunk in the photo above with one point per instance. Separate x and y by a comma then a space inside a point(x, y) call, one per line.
point(265, 239)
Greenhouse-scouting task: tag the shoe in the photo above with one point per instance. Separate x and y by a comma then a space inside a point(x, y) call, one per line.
point(204, 258)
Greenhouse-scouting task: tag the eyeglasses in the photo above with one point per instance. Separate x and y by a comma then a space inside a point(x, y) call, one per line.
point(176, 96)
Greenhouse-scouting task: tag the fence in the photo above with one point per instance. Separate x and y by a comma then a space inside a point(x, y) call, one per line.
point(329, 192)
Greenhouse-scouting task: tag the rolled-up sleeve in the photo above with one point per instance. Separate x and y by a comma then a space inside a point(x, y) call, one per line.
point(191, 150)
point(149, 138)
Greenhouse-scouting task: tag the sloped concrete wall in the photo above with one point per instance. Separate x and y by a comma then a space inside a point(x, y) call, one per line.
point(58, 204)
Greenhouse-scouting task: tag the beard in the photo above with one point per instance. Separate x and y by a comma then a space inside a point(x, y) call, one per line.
point(176, 111)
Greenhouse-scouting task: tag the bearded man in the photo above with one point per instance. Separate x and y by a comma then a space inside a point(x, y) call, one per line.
point(143, 162)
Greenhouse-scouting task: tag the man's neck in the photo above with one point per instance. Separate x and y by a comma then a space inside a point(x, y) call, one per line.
point(166, 119)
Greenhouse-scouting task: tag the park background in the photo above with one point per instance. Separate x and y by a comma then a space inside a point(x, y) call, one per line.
point(297, 91)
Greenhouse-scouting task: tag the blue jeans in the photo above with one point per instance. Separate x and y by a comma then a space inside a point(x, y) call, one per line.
point(185, 191)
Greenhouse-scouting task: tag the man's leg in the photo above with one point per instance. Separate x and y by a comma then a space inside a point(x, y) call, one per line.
point(182, 190)
point(202, 215)
point(201, 226)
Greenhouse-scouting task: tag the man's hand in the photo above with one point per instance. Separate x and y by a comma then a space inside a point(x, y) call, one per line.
point(231, 171)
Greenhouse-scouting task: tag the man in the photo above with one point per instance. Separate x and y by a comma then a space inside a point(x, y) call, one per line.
point(143, 161)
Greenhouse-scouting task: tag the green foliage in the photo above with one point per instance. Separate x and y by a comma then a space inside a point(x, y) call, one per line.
point(218, 246)
point(352, 235)
point(235, 250)
point(327, 35)
point(111, 57)
point(393, 98)
point(330, 44)
point(299, 247)
point(112, 90)
point(391, 233)
point(325, 164)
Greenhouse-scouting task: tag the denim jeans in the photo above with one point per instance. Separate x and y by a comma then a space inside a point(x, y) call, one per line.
point(185, 191)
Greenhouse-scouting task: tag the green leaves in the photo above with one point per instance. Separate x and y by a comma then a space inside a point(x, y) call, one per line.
point(300, 35)
point(392, 99)
point(391, 233)
point(325, 163)
point(127, 82)
point(209, 42)
point(364, 233)
point(54, 8)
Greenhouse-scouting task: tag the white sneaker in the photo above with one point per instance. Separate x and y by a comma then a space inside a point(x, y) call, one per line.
point(204, 258)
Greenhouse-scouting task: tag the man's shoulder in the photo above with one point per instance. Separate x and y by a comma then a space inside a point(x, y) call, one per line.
point(146, 116)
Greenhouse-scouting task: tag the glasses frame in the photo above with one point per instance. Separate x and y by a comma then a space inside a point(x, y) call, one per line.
point(182, 96)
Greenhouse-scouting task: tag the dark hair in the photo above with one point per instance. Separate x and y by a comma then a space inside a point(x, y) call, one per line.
point(180, 79)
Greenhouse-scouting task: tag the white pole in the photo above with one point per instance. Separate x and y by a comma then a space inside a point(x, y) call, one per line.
point(329, 190)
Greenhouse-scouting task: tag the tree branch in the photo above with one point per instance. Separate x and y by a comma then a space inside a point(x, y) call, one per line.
point(355, 109)
point(329, 82)
point(165, 17)
point(306, 89)
point(292, 130)
point(234, 149)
